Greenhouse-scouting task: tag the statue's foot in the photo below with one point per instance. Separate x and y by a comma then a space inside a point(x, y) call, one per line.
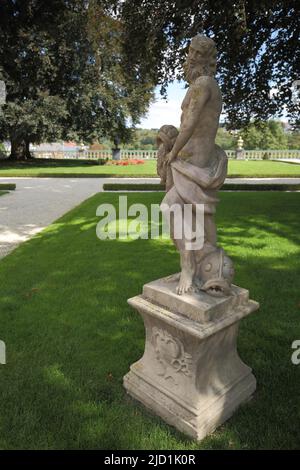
point(185, 283)
point(172, 277)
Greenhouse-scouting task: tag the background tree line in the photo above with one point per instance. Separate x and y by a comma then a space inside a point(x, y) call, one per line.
point(270, 135)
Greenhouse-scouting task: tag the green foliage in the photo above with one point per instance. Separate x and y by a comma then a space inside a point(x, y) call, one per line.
point(265, 135)
point(143, 139)
point(293, 139)
point(225, 187)
point(64, 73)
point(258, 136)
point(37, 119)
point(7, 186)
point(86, 70)
point(133, 187)
point(226, 140)
point(257, 44)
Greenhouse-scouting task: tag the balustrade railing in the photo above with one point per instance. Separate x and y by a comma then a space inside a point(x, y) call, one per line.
point(152, 154)
point(270, 154)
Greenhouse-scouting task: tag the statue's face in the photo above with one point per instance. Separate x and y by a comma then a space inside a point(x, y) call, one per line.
point(194, 56)
point(194, 64)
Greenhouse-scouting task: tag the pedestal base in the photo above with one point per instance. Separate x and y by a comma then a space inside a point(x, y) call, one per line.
point(190, 373)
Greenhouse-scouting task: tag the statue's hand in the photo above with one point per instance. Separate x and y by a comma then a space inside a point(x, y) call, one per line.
point(169, 158)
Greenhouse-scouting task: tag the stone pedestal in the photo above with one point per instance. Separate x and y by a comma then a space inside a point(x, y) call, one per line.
point(190, 374)
point(240, 154)
point(116, 154)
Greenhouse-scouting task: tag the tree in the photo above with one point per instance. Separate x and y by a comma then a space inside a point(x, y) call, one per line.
point(35, 120)
point(226, 140)
point(293, 140)
point(265, 135)
point(96, 61)
point(257, 42)
point(62, 64)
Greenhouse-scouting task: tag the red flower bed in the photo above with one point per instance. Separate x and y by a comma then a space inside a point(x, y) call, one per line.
point(135, 161)
point(131, 161)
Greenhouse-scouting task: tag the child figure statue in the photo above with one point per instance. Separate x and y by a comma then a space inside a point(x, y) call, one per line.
point(165, 140)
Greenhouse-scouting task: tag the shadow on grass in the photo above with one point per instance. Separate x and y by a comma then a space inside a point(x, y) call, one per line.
point(71, 336)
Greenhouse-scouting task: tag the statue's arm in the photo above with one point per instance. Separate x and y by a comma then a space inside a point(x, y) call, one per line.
point(200, 95)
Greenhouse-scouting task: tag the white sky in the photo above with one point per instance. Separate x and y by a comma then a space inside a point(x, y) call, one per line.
point(165, 112)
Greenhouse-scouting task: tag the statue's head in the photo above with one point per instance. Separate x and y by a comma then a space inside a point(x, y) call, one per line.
point(201, 59)
point(167, 135)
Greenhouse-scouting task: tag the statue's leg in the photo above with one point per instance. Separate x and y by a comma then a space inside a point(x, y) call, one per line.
point(188, 264)
point(210, 229)
point(187, 257)
point(188, 269)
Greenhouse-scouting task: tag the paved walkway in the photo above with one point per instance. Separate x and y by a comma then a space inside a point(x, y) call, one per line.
point(37, 202)
point(287, 160)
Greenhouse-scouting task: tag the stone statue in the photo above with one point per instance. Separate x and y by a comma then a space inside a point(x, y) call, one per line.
point(165, 141)
point(190, 373)
point(194, 168)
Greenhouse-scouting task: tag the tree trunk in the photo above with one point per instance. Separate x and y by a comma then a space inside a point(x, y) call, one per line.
point(19, 149)
point(27, 150)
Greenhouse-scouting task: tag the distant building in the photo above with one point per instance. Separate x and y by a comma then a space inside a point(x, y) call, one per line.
point(58, 147)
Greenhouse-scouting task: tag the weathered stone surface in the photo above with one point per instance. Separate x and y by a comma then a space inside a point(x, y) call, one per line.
point(194, 169)
point(190, 374)
point(198, 306)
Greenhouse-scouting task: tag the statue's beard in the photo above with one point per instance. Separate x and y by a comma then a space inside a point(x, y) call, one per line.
point(192, 72)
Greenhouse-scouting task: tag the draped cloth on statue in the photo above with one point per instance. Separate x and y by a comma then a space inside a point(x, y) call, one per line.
point(195, 185)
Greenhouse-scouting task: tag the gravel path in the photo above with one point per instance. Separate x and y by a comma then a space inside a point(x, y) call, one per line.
point(37, 202)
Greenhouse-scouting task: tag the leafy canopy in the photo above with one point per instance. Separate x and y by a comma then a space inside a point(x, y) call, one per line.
point(257, 42)
point(85, 69)
point(65, 78)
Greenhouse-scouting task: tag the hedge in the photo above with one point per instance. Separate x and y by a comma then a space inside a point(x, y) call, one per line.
point(225, 187)
point(7, 187)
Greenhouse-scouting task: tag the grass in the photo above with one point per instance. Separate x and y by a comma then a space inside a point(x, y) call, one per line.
point(75, 169)
point(148, 169)
point(71, 337)
point(3, 192)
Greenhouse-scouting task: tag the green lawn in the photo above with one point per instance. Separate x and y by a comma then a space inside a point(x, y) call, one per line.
point(46, 168)
point(71, 337)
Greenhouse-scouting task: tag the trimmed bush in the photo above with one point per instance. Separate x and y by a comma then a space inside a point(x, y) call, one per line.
point(225, 187)
point(260, 187)
point(133, 187)
point(7, 187)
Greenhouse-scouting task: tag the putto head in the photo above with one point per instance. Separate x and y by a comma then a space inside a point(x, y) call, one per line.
point(201, 59)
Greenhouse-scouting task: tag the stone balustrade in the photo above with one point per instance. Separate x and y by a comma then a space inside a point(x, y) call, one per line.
point(152, 154)
point(270, 154)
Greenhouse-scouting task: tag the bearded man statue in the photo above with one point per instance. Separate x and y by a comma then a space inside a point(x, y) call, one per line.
point(199, 168)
